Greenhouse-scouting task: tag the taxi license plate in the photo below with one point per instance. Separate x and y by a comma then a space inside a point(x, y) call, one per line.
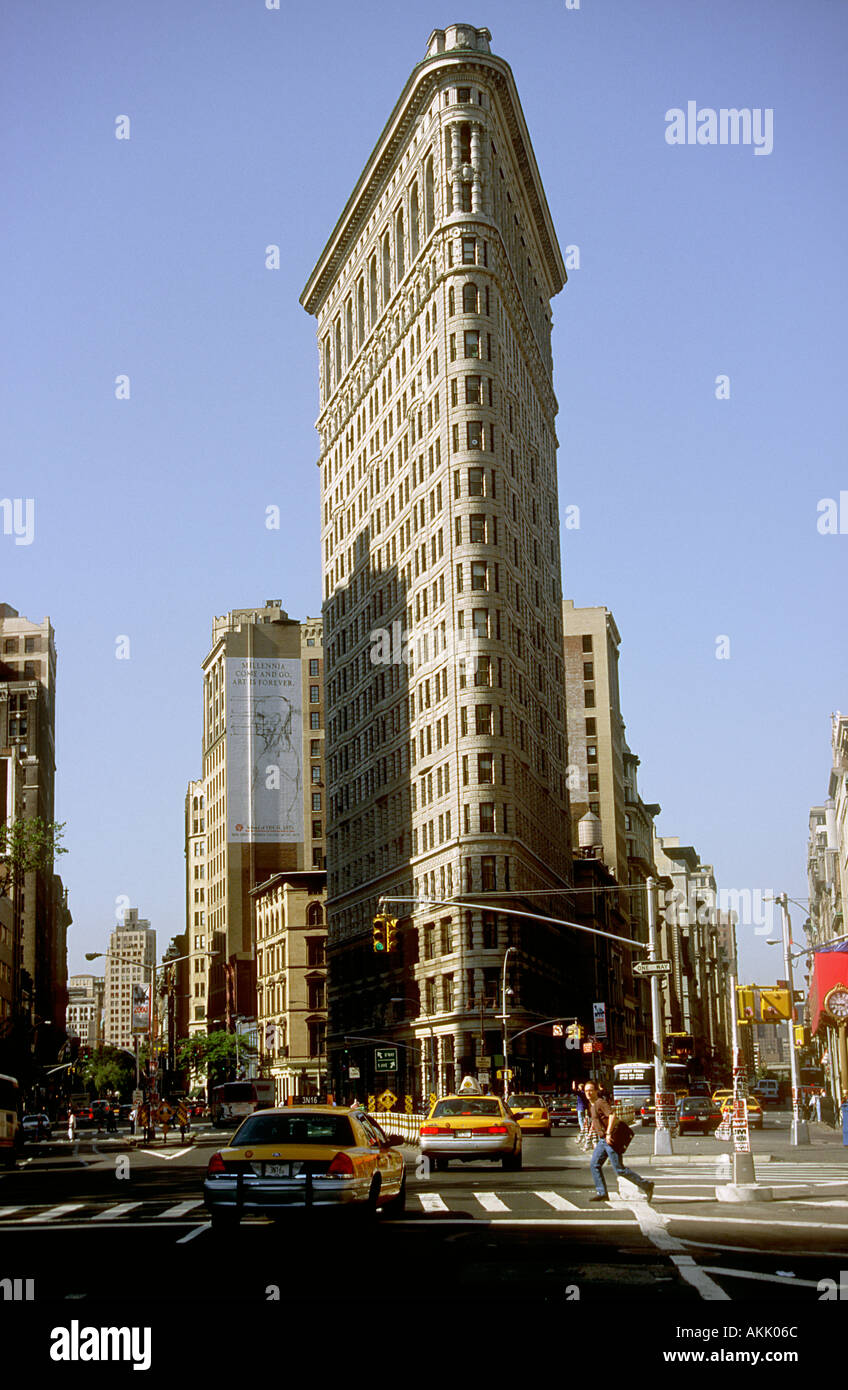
point(463, 1134)
point(282, 1170)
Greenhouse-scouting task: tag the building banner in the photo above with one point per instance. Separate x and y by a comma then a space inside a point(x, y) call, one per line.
point(264, 750)
point(140, 1007)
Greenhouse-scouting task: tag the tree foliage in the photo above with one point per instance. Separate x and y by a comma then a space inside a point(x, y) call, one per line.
point(28, 844)
point(214, 1054)
point(107, 1069)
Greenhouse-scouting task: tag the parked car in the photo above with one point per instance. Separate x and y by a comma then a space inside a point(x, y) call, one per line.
point(563, 1111)
point(36, 1127)
point(697, 1114)
point(767, 1091)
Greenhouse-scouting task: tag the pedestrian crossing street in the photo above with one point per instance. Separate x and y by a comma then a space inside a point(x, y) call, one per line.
point(674, 1189)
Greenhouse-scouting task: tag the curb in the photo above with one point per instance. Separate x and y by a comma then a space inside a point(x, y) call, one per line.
point(754, 1192)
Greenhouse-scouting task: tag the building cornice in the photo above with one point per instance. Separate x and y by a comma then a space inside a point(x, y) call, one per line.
point(418, 92)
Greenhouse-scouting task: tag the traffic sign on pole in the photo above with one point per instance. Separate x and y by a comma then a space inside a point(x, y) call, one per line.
point(652, 967)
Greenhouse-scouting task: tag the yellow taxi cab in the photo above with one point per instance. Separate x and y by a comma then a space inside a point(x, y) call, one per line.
point(305, 1157)
point(721, 1095)
point(469, 1126)
point(531, 1113)
point(755, 1110)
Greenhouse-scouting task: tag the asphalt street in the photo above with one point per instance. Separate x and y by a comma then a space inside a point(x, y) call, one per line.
point(78, 1218)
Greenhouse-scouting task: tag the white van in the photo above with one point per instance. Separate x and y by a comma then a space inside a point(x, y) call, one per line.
point(767, 1090)
point(11, 1136)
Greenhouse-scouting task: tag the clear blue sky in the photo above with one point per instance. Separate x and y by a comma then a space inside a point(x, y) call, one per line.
point(146, 257)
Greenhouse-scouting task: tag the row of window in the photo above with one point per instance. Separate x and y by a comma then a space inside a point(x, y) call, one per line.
point(376, 289)
point(12, 645)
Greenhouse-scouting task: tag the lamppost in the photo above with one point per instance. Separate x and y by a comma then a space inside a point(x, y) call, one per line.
point(431, 1069)
point(800, 1128)
point(504, 1018)
point(154, 970)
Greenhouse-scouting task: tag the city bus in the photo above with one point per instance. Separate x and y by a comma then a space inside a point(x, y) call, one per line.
point(10, 1120)
point(633, 1082)
point(235, 1100)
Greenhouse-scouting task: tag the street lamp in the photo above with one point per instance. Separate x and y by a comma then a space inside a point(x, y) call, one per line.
point(504, 1022)
point(154, 970)
point(800, 1128)
point(431, 1070)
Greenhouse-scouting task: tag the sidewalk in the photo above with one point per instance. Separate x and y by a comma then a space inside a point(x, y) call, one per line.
point(776, 1160)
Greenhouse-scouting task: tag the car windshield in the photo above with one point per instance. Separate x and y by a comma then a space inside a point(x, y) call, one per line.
point(467, 1105)
point(535, 1102)
point(295, 1129)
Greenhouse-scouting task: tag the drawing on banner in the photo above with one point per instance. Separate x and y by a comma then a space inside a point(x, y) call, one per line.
point(264, 750)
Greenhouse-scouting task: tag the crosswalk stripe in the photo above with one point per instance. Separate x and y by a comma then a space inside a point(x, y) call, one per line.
point(111, 1212)
point(52, 1212)
point(489, 1201)
point(179, 1210)
point(10, 1211)
point(558, 1203)
point(431, 1201)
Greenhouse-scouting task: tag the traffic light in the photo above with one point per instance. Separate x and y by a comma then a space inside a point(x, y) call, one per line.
point(378, 933)
point(745, 1004)
point(392, 934)
point(776, 1005)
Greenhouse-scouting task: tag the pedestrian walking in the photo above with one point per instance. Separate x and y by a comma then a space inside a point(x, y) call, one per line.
point(817, 1102)
point(72, 1126)
point(133, 1114)
point(604, 1123)
point(582, 1106)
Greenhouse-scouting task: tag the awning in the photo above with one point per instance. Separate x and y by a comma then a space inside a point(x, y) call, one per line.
point(830, 968)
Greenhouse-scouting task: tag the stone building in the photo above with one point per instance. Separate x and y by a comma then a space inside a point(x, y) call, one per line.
point(291, 981)
point(130, 956)
point(27, 725)
point(441, 569)
point(262, 793)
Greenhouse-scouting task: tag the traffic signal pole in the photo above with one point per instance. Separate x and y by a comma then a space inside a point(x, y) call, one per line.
point(662, 1134)
point(800, 1128)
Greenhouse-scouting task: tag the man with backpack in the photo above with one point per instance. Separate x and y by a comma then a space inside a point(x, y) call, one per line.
point(604, 1124)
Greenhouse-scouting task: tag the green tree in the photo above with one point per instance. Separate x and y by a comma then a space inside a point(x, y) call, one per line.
point(108, 1069)
point(214, 1054)
point(28, 843)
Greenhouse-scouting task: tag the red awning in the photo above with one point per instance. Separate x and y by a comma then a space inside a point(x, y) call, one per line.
point(830, 968)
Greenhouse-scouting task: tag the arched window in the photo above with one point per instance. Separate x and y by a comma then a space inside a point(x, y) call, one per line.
point(451, 300)
point(360, 312)
point(413, 221)
point(470, 298)
point(314, 915)
point(400, 259)
point(372, 289)
point(349, 331)
point(429, 197)
point(387, 270)
point(337, 348)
